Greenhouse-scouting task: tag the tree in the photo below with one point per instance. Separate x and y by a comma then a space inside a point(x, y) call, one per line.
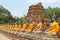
point(49, 12)
point(5, 15)
point(1, 18)
point(21, 20)
point(57, 12)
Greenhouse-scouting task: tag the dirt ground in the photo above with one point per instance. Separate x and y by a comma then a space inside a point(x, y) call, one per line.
point(2, 37)
point(9, 36)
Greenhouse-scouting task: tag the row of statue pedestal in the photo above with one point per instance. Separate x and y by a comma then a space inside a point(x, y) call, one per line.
point(53, 28)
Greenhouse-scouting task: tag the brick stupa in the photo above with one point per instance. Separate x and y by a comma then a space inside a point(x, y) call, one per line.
point(35, 13)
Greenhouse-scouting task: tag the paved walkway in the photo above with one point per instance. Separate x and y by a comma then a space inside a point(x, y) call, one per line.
point(2, 37)
point(8, 36)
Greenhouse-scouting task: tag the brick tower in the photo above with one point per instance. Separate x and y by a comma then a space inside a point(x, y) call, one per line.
point(35, 13)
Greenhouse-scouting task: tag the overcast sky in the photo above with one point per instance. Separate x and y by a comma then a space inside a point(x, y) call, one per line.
point(20, 7)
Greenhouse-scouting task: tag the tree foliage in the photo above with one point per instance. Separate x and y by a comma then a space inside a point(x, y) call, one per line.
point(5, 15)
point(49, 12)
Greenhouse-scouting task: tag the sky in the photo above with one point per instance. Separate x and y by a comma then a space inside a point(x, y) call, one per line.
point(19, 8)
